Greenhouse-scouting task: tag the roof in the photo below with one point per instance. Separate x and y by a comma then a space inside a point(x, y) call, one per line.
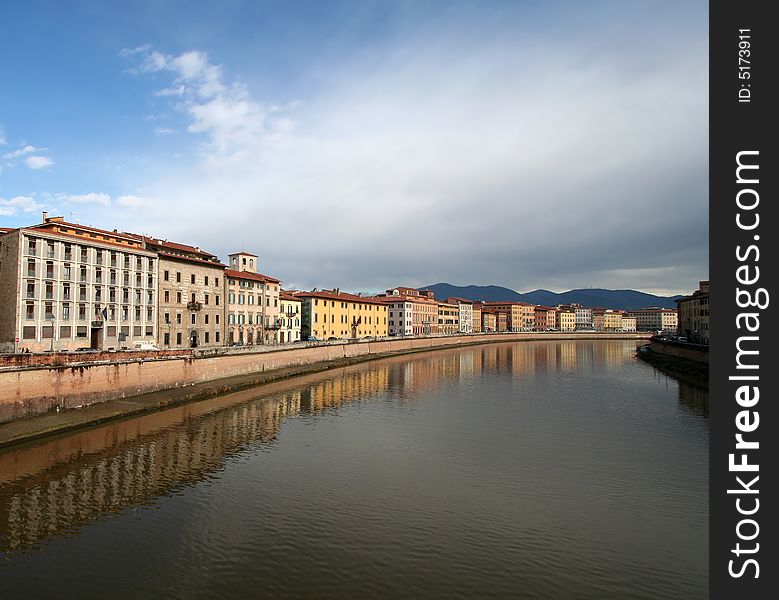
point(82, 239)
point(249, 275)
point(192, 259)
point(342, 296)
point(242, 252)
point(289, 295)
point(460, 300)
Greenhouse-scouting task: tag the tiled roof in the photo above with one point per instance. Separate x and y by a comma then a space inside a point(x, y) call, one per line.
point(342, 296)
point(249, 275)
point(83, 239)
point(192, 259)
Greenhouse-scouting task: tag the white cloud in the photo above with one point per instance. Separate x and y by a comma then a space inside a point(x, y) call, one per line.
point(232, 121)
point(22, 151)
point(512, 161)
point(18, 205)
point(90, 198)
point(38, 162)
point(164, 131)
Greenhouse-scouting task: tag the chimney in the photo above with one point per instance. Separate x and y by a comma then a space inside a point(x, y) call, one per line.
point(45, 214)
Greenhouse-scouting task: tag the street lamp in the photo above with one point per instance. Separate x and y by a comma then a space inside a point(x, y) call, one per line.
point(52, 320)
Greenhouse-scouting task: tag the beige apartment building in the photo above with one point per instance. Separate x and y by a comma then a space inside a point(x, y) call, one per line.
point(628, 323)
point(66, 286)
point(465, 316)
point(289, 315)
point(400, 316)
point(565, 320)
point(476, 308)
point(513, 312)
point(694, 315)
point(489, 320)
point(191, 308)
point(656, 319)
point(253, 303)
point(606, 320)
point(448, 318)
point(424, 309)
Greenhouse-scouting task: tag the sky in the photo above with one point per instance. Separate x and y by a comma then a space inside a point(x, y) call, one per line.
point(367, 145)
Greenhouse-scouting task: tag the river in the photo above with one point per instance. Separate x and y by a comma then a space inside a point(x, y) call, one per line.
point(561, 469)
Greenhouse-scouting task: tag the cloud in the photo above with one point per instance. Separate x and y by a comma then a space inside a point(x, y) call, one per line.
point(22, 151)
point(534, 160)
point(90, 198)
point(164, 131)
point(130, 201)
point(38, 162)
point(3, 138)
point(18, 205)
point(232, 121)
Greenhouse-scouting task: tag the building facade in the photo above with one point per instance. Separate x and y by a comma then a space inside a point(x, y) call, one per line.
point(190, 307)
point(476, 308)
point(66, 286)
point(565, 320)
point(333, 314)
point(694, 315)
point(448, 318)
point(253, 303)
point(656, 319)
point(465, 313)
point(289, 314)
point(400, 317)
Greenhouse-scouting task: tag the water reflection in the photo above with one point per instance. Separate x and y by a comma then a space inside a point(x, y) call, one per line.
point(57, 486)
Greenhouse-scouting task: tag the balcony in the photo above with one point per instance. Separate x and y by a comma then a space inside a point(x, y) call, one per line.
point(194, 306)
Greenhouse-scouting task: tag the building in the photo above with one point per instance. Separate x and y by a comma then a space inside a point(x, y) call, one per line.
point(515, 313)
point(583, 315)
point(694, 315)
point(253, 303)
point(501, 321)
point(544, 315)
point(628, 323)
point(400, 312)
point(424, 310)
point(333, 314)
point(656, 319)
point(488, 320)
point(565, 319)
point(448, 318)
point(67, 286)
point(190, 307)
point(606, 319)
point(289, 316)
point(476, 308)
point(465, 316)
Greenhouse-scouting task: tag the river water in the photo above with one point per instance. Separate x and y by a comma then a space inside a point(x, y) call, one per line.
point(521, 470)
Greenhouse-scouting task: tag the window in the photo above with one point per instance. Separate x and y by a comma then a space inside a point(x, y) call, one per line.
point(194, 318)
point(217, 322)
point(206, 299)
point(166, 275)
point(178, 318)
point(66, 312)
point(50, 249)
point(206, 320)
point(31, 247)
point(192, 278)
point(178, 297)
point(216, 336)
point(178, 277)
point(167, 339)
point(178, 339)
point(82, 312)
point(206, 280)
point(29, 311)
point(66, 272)
point(31, 268)
point(31, 289)
point(206, 337)
point(83, 255)
point(216, 300)
point(216, 284)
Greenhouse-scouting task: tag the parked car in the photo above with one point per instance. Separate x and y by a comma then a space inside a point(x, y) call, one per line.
point(312, 338)
point(682, 339)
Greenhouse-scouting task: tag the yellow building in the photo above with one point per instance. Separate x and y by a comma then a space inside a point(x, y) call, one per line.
point(448, 318)
point(289, 317)
point(565, 320)
point(335, 314)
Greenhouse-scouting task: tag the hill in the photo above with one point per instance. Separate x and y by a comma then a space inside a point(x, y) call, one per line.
point(624, 299)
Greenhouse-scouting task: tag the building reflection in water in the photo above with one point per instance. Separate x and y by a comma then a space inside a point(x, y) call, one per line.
point(54, 487)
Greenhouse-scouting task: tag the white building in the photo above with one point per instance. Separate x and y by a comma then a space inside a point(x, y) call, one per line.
point(400, 315)
point(466, 313)
point(67, 286)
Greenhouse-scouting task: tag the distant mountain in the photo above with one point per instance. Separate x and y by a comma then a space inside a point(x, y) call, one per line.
point(625, 299)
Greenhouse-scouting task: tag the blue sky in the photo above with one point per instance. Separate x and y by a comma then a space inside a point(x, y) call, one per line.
point(372, 144)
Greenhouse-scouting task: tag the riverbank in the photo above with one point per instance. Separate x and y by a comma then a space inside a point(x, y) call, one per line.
point(118, 389)
point(690, 371)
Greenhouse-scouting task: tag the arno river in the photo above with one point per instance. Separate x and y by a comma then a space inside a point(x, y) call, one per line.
point(529, 470)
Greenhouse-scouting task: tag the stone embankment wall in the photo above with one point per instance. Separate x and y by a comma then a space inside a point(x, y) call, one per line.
point(696, 352)
point(32, 390)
